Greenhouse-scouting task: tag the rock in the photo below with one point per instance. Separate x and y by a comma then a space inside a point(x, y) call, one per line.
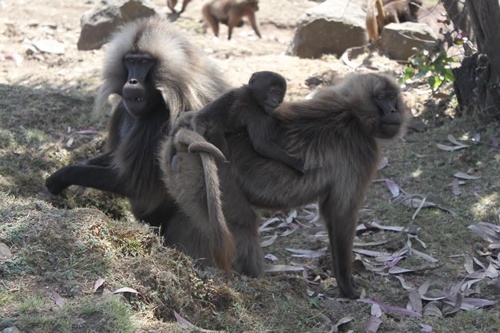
point(400, 41)
point(99, 23)
point(12, 329)
point(4, 251)
point(331, 27)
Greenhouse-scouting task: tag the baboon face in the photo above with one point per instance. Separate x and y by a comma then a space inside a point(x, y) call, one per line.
point(268, 88)
point(139, 92)
point(385, 97)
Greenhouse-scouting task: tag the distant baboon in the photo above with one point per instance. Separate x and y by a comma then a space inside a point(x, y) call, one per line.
point(248, 108)
point(172, 3)
point(158, 74)
point(336, 133)
point(382, 12)
point(230, 12)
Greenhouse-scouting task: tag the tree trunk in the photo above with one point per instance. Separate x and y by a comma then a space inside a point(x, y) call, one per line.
point(477, 81)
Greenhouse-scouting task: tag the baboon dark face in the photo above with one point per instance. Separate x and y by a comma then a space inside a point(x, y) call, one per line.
point(268, 88)
point(139, 92)
point(390, 117)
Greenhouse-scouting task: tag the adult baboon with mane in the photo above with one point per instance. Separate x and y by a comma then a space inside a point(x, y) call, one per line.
point(158, 74)
point(336, 133)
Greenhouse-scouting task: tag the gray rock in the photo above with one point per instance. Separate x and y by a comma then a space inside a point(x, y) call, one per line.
point(331, 27)
point(99, 23)
point(400, 41)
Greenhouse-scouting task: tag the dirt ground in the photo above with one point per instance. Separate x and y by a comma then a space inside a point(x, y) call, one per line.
point(58, 248)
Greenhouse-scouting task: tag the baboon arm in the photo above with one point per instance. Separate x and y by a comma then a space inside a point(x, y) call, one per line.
point(261, 134)
point(98, 177)
point(271, 150)
point(100, 160)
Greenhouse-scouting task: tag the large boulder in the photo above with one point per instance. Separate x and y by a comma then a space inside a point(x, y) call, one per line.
point(331, 27)
point(99, 23)
point(400, 41)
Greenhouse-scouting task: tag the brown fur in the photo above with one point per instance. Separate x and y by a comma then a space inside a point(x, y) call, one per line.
point(172, 3)
point(249, 108)
point(182, 79)
point(337, 133)
point(205, 208)
point(382, 12)
point(230, 12)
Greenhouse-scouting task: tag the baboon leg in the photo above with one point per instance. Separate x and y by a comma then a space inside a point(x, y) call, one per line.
point(253, 23)
point(243, 223)
point(214, 24)
point(341, 224)
point(184, 5)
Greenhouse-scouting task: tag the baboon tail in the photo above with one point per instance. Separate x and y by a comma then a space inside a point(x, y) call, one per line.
point(222, 242)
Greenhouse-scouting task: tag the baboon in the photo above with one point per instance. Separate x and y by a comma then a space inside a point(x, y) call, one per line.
point(382, 12)
point(337, 133)
point(172, 3)
point(158, 74)
point(230, 12)
point(248, 108)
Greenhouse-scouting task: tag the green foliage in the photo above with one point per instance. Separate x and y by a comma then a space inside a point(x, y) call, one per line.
point(434, 66)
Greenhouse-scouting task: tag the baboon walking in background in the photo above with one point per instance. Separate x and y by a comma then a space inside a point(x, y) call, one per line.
point(172, 3)
point(382, 12)
point(230, 12)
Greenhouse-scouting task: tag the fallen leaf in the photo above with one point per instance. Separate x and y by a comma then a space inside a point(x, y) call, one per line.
point(449, 309)
point(98, 285)
point(391, 185)
point(426, 328)
point(463, 175)
point(376, 310)
point(452, 139)
point(487, 232)
point(271, 257)
point(58, 299)
point(433, 310)
point(269, 241)
point(415, 300)
point(126, 290)
point(390, 308)
point(308, 253)
point(342, 321)
point(454, 187)
point(450, 148)
point(424, 287)
point(405, 285)
point(282, 268)
point(423, 255)
point(373, 325)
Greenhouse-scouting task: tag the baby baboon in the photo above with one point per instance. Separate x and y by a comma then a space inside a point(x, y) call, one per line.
point(248, 108)
point(230, 12)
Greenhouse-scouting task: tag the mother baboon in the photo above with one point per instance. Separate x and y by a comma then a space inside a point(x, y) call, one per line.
point(158, 74)
point(336, 134)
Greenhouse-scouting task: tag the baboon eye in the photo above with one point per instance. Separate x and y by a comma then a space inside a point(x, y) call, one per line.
point(381, 96)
